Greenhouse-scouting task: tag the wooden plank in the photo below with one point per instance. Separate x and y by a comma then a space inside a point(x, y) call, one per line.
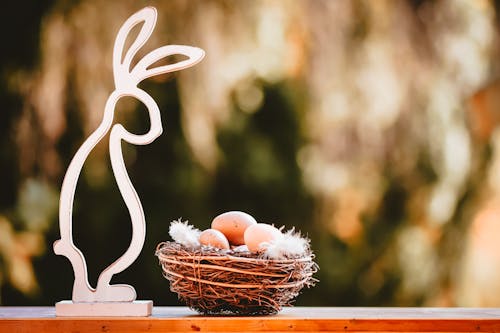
point(299, 319)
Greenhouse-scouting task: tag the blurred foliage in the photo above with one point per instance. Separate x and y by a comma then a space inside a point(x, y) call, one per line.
point(371, 126)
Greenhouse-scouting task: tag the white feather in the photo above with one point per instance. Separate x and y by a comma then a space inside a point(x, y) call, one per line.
point(292, 244)
point(185, 234)
point(241, 248)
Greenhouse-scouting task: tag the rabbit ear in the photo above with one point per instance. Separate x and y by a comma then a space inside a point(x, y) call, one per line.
point(141, 70)
point(121, 68)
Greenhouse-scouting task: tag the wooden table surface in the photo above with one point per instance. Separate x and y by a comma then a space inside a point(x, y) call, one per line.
point(297, 319)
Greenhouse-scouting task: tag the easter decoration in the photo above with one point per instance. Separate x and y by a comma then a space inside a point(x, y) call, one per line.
point(238, 266)
point(109, 299)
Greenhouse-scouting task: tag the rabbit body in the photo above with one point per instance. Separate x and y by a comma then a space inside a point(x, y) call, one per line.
point(126, 81)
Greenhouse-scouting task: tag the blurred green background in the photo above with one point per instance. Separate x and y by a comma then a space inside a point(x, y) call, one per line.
point(371, 126)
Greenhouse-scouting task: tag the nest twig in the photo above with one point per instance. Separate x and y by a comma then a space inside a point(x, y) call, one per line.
point(213, 281)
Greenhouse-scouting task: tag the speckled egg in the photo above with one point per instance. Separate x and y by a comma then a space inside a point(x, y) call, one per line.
point(260, 233)
point(233, 225)
point(215, 238)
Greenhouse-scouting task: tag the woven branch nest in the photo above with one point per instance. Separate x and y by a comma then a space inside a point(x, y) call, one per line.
point(213, 281)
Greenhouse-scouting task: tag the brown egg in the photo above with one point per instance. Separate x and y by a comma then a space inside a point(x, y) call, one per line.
point(260, 233)
point(233, 225)
point(215, 238)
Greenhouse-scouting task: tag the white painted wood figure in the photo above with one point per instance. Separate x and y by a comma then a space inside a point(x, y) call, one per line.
point(126, 81)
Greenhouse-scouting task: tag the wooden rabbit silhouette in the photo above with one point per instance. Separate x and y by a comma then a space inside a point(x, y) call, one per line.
point(126, 81)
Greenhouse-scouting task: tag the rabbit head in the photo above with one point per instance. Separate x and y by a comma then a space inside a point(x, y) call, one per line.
point(126, 78)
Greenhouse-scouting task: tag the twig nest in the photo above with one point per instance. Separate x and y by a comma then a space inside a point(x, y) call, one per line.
point(214, 275)
point(213, 281)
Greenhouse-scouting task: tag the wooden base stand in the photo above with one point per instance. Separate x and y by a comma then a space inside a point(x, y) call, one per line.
point(104, 309)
